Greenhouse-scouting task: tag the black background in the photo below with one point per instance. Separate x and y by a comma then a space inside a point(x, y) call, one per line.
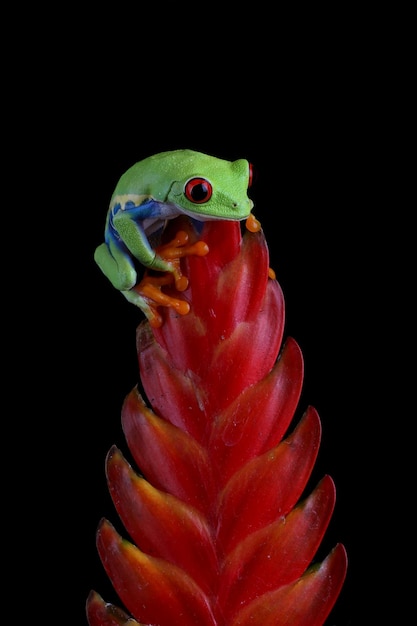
point(307, 106)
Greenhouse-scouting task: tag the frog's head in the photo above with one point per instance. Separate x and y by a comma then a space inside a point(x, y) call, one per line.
point(200, 185)
point(210, 188)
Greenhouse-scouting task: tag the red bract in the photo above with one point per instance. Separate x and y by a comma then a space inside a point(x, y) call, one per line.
point(219, 534)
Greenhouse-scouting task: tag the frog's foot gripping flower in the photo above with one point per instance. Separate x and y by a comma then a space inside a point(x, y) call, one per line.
point(148, 294)
point(223, 529)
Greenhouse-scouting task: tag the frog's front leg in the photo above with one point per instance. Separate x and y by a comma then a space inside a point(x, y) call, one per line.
point(166, 257)
point(128, 224)
point(148, 294)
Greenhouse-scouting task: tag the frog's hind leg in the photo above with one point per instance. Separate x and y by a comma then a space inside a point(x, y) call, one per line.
point(116, 265)
point(148, 296)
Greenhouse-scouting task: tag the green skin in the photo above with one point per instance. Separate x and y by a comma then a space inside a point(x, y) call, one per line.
point(153, 191)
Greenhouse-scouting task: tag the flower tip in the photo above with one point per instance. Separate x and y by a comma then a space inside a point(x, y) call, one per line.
point(93, 596)
point(111, 453)
point(102, 524)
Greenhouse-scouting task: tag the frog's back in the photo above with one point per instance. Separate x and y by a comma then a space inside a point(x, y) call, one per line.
point(155, 175)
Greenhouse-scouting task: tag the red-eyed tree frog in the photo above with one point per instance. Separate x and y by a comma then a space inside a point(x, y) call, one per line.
point(154, 190)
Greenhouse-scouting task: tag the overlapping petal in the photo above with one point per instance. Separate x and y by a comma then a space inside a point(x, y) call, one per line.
point(276, 478)
point(160, 524)
point(306, 601)
point(277, 554)
point(152, 589)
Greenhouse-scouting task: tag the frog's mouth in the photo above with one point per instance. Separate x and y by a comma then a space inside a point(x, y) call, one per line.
point(200, 216)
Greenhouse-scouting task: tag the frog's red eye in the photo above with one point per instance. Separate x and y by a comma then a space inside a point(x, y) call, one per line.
point(198, 190)
point(251, 175)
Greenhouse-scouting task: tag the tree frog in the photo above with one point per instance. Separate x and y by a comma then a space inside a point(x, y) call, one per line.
point(152, 191)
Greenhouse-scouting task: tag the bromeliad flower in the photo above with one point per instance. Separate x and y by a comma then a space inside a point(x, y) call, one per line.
point(220, 530)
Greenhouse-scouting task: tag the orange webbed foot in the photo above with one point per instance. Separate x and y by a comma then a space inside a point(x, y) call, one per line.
point(252, 224)
point(177, 248)
point(150, 287)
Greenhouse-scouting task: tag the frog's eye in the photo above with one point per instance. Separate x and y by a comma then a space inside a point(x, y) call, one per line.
point(198, 190)
point(251, 175)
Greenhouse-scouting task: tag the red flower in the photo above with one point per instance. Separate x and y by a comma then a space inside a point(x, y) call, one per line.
point(219, 534)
